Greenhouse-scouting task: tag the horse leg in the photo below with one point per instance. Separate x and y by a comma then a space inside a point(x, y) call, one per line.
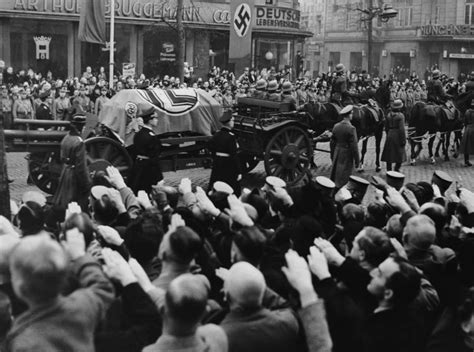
point(447, 141)
point(362, 154)
point(378, 142)
point(438, 146)
point(430, 148)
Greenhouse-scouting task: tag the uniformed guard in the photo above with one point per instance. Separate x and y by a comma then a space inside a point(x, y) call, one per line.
point(100, 101)
point(75, 181)
point(436, 92)
point(394, 148)
point(6, 104)
point(146, 170)
point(61, 106)
point(339, 92)
point(467, 142)
point(344, 151)
point(286, 96)
point(82, 103)
point(225, 161)
point(272, 91)
point(22, 107)
point(259, 91)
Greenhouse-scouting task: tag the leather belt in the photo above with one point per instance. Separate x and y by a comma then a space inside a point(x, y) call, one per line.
point(223, 155)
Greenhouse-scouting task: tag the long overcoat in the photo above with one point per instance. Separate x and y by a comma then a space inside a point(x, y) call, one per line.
point(467, 143)
point(146, 170)
point(394, 148)
point(75, 181)
point(344, 152)
point(225, 160)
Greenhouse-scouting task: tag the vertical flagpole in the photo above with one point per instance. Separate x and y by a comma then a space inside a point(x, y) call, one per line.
point(111, 46)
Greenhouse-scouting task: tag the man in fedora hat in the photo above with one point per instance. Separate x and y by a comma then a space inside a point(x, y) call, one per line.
point(75, 181)
point(225, 160)
point(394, 148)
point(436, 92)
point(344, 151)
point(62, 105)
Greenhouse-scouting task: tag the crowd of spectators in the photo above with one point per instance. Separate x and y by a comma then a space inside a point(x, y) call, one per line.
point(26, 92)
point(278, 269)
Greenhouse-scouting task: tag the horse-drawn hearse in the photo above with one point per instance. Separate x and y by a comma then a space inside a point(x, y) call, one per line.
point(187, 119)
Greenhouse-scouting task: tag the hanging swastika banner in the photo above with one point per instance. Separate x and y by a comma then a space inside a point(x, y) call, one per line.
point(240, 39)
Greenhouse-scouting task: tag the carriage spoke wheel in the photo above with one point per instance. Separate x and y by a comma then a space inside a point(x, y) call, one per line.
point(288, 154)
point(45, 170)
point(101, 149)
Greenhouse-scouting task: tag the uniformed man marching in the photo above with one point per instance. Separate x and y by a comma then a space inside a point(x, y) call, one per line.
point(146, 170)
point(344, 151)
point(225, 161)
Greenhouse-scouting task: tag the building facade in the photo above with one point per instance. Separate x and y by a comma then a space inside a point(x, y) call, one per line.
point(424, 34)
point(312, 20)
point(42, 34)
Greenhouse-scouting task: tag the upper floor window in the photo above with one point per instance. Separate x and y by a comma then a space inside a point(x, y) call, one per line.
point(405, 13)
point(469, 14)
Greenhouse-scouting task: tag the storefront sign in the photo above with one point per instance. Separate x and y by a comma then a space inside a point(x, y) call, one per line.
point(167, 52)
point(277, 17)
point(446, 30)
point(461, 56)
point(151, 9)
point(128, 69)
point(221, 16)
point(42, 47)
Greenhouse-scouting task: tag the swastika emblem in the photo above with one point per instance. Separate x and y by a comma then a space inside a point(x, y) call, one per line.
point(242, 17)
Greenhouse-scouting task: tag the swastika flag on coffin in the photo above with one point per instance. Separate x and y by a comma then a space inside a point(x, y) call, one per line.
point(178, 110)
point(240, 39)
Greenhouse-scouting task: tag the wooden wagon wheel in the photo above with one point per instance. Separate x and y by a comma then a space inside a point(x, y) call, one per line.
point(45, 170)
point(248, 162)
point(288, 154)
point(107, 149)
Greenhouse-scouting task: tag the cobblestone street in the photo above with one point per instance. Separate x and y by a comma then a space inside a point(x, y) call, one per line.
point(423, 170)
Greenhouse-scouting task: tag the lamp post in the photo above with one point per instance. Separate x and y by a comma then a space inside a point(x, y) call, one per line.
point(385, 13)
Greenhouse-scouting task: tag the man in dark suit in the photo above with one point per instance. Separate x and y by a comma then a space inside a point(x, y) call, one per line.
point(225, 161)
point(344, 151)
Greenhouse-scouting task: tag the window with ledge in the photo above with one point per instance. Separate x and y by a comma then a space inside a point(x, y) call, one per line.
point(405, 13)
point(469, 14)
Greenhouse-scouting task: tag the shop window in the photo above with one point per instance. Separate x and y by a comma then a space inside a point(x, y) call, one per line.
point(274, 53)
point(159, 52)
point(469, 14)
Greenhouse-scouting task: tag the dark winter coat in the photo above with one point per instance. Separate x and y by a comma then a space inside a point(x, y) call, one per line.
point(394, 149)
point(467, 143)
point(146, 170)
point(225, 161)
point(75, 181)
point(344, 152)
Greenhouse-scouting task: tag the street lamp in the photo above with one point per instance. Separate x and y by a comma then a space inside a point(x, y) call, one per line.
point(384, 13)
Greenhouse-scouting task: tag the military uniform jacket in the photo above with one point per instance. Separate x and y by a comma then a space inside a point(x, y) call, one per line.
point(288, 98)
point(146, 169)
point(22, 109)
point(99, 103)
point(340, 85)
point(61, 107)
point(226, 166)
point(274, 97)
